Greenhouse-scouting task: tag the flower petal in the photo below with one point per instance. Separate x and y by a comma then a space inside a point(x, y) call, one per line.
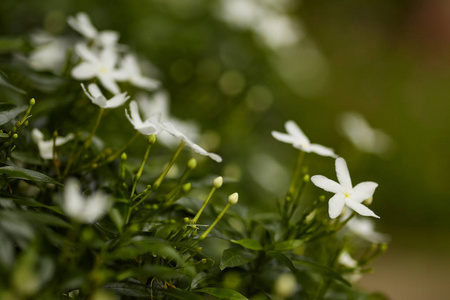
point(360, 208)
point(145, 82)
point(326, 184)
point(73, 202)
point(336, 205)
point(84, 71)
point(321, 150)
point(295, 131)
point(342, 174)
point(85, 53)
point(117, 100)
point(94, 90)
point(363, 191)
point(283, 137)
point(109, 83)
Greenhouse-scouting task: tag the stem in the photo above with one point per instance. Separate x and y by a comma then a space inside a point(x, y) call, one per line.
point(197, 216)
point(123, 148)
point(141, 169)
point(54, 158)
point(166, 170)
point(222, 213)
point(87, 143)
point(295, 176)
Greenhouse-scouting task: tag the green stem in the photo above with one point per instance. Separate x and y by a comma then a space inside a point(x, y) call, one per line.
point(166, 170)
point(200, 211)
point(295, 176)
point(123, 148)
point(87, 143)
point(222, 213)
point(141, 169)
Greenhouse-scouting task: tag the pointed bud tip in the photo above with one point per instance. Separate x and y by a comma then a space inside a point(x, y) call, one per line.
point(306, 178)
point(233, 198)
point(192, 163)
point(187, 187)
point(32, 101)
point(123, 156)
point(217, 183)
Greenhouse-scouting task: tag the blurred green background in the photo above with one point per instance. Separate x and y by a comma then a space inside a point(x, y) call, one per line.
point(388, 60)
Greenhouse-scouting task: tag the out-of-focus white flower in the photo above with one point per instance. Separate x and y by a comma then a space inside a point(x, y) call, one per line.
point(151, 125)
point(345, 193)
point(346, 260)
point(362, 135)
point(82, 23)
point(130, 66)
point(175, 132)
point(159, 104)
point(285, 285)
point(365, 229)
point(298, 139)
point(49, 53)
point(102, 66)
point(80, 208)
point(46, 147)
point(93, 92)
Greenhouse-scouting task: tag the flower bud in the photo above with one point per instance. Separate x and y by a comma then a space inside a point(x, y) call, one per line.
point(306, 178)
point(367, 202)
point(15, 136)
point(217, 183)
point(233, 198)
point(186, 187)
point(123, 156)
point(192, 163)
point(152, 139)
point(32, 102)
point(186, 220)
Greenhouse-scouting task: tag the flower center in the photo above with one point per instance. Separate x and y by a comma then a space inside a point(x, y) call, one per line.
point(347, 195)
point(103, 70)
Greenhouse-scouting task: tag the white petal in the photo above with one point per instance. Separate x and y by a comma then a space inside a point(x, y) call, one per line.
point(145, 83)
point(363, 191)
point(295, 131)
point(37, 135)
point(342, 174)
point(336, 205)
point(108, 38)
point(84, 71)
point(321, 150)
point(83, 25)
point(360, 208)
point(283, 137)
point(108, 58)
point(109, 83)
point(129, 63)
point(73, 202)
point(94, 90)
point(326, 184)
point(117, 100)
point(60, 140)
point(46, 149)
point(95, 206)
point(85, 53)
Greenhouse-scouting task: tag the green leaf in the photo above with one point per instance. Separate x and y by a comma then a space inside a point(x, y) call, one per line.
point(321, 269)
point(286, 245)
point(117, 218)
point(234, 257)
point(11, 43)
point(128, 289)
point(6, 251)
point(222, 293)
point(8, 112)
point(282, 258)
point(4, 136)
point(14, 172)
point(181, 295)
point(158, 271)
point(28, 157)
point(33, 203)
point(249, 244)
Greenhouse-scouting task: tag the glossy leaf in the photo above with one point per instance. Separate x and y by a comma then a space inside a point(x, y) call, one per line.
point(234, 257)
point(249, 244)
point(14, 172)
point(222, 293)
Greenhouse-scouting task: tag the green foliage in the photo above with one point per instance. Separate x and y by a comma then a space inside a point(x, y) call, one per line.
point(95, 211)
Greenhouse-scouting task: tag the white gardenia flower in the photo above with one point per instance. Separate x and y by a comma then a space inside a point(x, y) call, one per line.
point(365, 229)
point(159, 104)
point(101, 65)
point(46, 147)
point(346, 260)
point(49, 53)
point(345, 193)
point(82, 23)
point(167, 126)
point(130, 66)
point(151, 125)
point(298, 139)
point(83, 209)
point(93, 92)
point(362, 135)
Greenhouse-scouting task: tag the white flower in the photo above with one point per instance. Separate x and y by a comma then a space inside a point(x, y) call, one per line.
point(345, 193)
point(97, 97)
point(346, 260)
point(151, 125)
point(49, 53)
point(130, 66)
point(298, 139)
point(175, 132)
point(100, 65)
point(82, 23)
point(83, 209)
point(362, 135)
point(365, 229)
point(159, 104)
point(46, 147)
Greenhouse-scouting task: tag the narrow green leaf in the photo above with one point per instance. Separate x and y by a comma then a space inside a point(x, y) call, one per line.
point(282, 258)
point(249, 244)
point(158, 271)
point(128, 289)
point(222, 293)
point(234, 257)
point(117, 218)
point(286, 245)
point(321, 269)
point(14, 172)
point(8, 112)
point(33, 203)
point(181, 295)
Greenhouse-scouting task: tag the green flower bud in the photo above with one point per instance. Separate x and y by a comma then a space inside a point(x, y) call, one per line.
point(306, 178)
point(217, 183)
point(186, 187)
point(233, 198)
point(32, 102)
point(152, 139)
point(123, 156)
point(192, 163)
